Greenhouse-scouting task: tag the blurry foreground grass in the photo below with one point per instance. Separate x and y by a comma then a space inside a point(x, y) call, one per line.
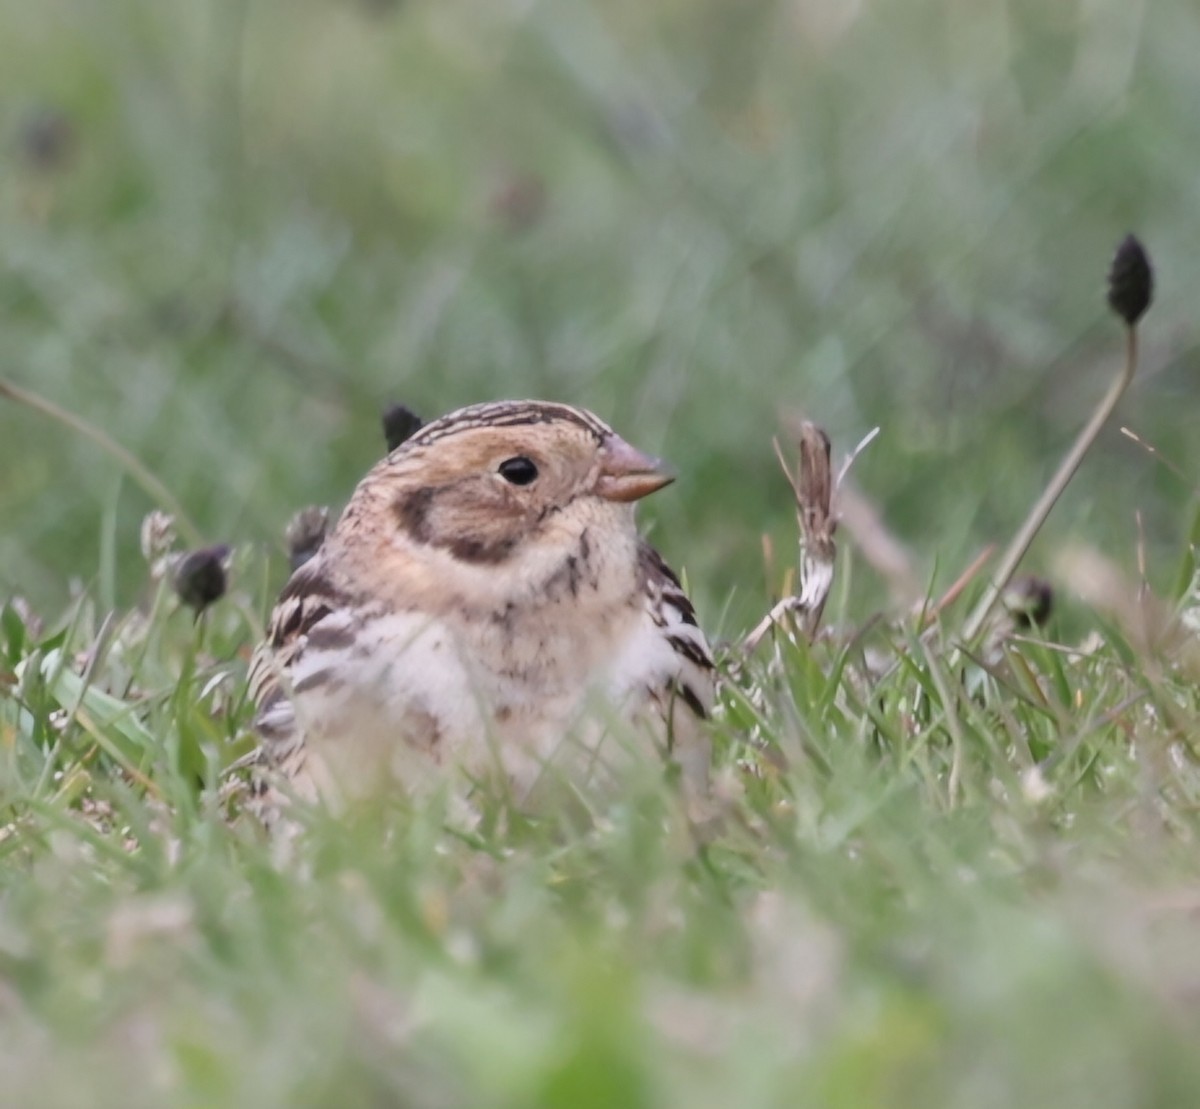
point(231, 231)
point(919, 897)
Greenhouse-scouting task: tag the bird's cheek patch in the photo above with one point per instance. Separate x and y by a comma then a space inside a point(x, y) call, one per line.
point(480, 550)
point(412, 513)
point(478, 542)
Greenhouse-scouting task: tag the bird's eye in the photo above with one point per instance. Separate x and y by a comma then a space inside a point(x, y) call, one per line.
point(519, 470)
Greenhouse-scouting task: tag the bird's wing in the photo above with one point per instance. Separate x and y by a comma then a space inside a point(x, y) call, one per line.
point(673, 614)
point(312, 615)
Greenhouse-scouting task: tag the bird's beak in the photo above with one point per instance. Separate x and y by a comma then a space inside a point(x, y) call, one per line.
point(626, 474)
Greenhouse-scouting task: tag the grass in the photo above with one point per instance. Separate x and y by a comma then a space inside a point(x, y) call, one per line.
point(233, 231)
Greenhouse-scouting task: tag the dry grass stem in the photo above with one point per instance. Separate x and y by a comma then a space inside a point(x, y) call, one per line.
point(1058, 483)
point(150, 484)
point(955, 591)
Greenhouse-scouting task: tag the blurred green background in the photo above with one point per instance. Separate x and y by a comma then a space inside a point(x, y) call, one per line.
point(233, 231)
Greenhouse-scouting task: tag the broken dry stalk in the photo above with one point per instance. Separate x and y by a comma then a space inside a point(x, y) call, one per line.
point(1130, 287)
point(813, 490)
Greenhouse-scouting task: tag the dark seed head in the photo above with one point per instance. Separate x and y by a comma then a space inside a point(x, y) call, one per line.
point(1030, 601)
point(305, 533)
point(46, 139)
point(399, 423)
point(199, 577)
point(1130, 281)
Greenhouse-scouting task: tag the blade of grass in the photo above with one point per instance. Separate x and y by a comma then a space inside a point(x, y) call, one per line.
point(150, 484)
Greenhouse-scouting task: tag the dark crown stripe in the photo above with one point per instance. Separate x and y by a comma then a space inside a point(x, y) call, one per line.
point(505, 414)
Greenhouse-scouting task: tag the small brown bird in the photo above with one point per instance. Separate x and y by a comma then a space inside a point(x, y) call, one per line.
point(485, 603)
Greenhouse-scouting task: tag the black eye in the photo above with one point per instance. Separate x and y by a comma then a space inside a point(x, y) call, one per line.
point(519, 470)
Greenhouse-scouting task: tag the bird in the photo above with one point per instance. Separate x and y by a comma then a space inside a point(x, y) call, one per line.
point(485, 609)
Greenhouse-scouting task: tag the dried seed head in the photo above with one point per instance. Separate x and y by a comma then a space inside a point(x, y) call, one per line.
point(199, 576)
point(31, 622)
point(1130, 281)
point(305, 533)
point(158, 541)
point(1029, 601)
point(814, 489)
point(399, 423)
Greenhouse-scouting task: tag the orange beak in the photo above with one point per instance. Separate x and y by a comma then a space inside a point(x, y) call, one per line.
point(626, 474)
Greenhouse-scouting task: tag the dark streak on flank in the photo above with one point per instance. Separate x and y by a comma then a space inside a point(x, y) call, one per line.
point(323, 678)
point(290, 626)
point(651, 566)
point(336, 638)
point(307, 582)
point(571, 573)
point(307, 598)
point(504, 616)
point(688, 695)
point(265, 725)
point(690, 650)
point(424, 729)
point(677, 690)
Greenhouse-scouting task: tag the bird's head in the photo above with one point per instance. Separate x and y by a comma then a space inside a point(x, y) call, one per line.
point(518, 483)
